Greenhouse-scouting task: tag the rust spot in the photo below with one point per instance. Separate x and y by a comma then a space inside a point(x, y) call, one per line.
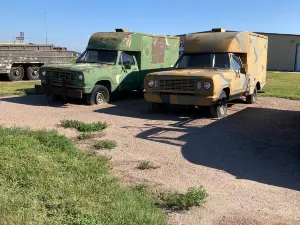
point(158, 50)
point(196, 39)
point(147, 51)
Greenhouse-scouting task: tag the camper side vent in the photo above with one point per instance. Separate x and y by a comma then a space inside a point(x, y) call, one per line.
point(121, 30)
point(218, 30)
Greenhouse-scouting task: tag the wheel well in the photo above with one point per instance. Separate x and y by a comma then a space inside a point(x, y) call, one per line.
point(105, 83)
point(227, 91)
point(258, 86)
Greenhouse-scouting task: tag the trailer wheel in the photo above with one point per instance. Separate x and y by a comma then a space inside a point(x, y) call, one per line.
point(252, 99)
point(16, 73)
point(99, 95)
point(219, 110)
point(33, 73)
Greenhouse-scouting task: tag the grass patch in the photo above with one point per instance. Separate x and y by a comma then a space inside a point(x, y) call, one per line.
point(177, 201)
point(146, 165)
point(174, 200)
point(283, 85)
point(84, 127)
point(44, 179)
point(105, 144)
point(17, 88)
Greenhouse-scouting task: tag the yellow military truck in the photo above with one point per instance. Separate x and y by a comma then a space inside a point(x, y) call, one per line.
point(215, 67)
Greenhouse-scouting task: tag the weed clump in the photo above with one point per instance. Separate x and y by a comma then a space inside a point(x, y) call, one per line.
point(84, 127)
point(146, 165)
point(105, 144)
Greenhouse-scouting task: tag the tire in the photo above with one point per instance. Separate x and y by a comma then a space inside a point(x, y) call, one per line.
point(252, 99)
point(99, 95)
point(219, 110)
point(16, 73)
point(33, 73)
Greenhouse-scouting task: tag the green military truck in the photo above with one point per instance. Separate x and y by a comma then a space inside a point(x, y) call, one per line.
point(23, 60)
point(112, 62)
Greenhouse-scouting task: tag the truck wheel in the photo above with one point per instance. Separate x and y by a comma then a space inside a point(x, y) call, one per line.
point(33, 73)
point(252, 99)
point(16, 73)
point(219, 110)
point(99, 95)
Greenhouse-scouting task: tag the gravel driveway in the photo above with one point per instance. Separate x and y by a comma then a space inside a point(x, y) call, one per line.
point(249, 162)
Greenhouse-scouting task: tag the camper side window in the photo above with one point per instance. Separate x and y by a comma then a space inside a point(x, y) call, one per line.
point(125, 58)
point(236, 63)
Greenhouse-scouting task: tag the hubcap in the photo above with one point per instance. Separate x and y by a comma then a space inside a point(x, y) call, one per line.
point(35, 73)
point(222, 110)
point(17, 72)
point(100, 98)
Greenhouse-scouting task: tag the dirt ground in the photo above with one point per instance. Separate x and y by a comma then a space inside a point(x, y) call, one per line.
point(249, 162)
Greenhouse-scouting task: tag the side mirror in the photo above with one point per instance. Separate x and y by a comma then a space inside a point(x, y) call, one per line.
point(127, 65)
point(244, 68)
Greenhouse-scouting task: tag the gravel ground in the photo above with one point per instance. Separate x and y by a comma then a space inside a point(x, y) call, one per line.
point(249, 162)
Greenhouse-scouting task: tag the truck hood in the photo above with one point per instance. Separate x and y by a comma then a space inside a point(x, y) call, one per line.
point(209, 73)
point(82, 67)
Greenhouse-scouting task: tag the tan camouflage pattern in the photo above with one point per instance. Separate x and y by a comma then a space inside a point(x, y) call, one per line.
point(250, 47)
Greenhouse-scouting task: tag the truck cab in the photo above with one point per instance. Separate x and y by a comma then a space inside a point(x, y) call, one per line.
point(112, 62)
point(215, 67)
point(229, 64)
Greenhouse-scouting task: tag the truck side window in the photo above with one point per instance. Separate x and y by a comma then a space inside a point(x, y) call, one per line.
point(236, 63)
point(126, 58)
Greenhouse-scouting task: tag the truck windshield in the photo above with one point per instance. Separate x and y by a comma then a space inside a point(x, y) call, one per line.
point(98, 56)
point(204, 60)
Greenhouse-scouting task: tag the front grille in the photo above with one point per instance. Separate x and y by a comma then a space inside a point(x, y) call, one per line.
point(177, 85)
point(56, 77)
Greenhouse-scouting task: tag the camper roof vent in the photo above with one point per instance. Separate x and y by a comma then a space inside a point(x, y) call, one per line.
point(121, 30)
point(218, 30)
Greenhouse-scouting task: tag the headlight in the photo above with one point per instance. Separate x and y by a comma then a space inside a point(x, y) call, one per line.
point(206, 85)
point(150, 83)
point(80, 77)
point(44, 73)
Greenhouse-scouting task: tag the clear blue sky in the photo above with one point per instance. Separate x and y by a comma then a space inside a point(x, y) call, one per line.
point(70, 23)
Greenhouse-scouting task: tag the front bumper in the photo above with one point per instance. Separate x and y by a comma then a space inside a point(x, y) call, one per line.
point(177, 99)
point(62, 91)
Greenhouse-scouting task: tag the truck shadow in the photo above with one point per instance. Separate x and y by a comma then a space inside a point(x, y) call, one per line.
point(256, 144)
point(138, 108)
point(38, 100)
point(133, 104)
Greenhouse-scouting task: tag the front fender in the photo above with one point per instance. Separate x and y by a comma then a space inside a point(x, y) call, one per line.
point(220, 83)
point(95, 76)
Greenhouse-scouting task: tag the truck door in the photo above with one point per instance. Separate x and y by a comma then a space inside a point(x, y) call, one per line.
point(240, 83)
point(128, 72)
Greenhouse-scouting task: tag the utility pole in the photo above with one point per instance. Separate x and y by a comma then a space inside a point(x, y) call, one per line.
point(46, 26)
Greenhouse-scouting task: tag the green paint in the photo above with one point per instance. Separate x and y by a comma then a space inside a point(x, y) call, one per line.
point(109, 46)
